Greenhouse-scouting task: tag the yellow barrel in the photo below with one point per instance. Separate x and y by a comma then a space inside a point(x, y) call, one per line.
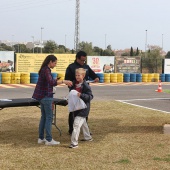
point(156, 77)
point(144, 77)
point(150, 77)
point(113, 77)
point(119, 77)
point(15, 81)
point(61, 76)
point(13, 75)
point(25, 74)
point(25, 78)
point(107, 81)
point(15, 78)
point(106, 77)
point(113, 80)
point(6, 74)
point(6, 78)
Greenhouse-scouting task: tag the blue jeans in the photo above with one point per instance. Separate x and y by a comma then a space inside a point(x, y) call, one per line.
point(46, 118)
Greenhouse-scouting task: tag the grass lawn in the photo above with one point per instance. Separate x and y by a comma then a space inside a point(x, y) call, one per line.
point(125, 138)
point(166, 91)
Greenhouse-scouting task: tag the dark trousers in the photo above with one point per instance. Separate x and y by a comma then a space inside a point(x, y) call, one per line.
point(71, 121)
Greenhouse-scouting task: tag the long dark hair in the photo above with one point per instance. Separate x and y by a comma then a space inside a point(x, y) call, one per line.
point(47, 60)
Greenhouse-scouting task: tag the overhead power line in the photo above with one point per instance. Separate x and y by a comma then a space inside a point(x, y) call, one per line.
point(23, 5)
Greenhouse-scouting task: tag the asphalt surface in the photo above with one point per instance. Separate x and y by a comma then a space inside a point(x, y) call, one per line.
point(141, 95)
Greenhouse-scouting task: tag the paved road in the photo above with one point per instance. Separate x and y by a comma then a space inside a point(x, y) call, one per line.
point(143, 95)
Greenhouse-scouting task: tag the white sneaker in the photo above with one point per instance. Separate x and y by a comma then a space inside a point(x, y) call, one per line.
point(40, 141)
point(53, 142)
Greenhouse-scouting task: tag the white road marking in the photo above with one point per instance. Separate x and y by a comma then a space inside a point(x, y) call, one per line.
point(146, 99)
point(125, 101)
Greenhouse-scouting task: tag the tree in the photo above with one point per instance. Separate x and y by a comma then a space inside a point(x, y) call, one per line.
point(61, 49)
point(21, 48)
point(167, 55)
point(152, 59)
point(4, 47)
point(98, 51)
point(108, 51)
point(86, 47)
point(109, 47)
point(73, 51)
point(37, 50)
point(50, 47)
point(131, 51)
point(137, 51)
point(125, 54)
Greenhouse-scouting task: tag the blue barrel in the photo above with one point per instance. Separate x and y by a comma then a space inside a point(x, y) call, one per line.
point(132, 77)
point(54, 75)
point(126, 77)
point(162, 77)
point(34, 78)
point(0, 78)
point(138, 77)
point(167, 77)
point(101, 77)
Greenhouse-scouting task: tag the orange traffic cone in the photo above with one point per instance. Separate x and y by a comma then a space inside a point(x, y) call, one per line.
point(159, 86)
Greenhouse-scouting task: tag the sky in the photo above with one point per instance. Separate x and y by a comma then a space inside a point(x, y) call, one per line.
point(119, 23)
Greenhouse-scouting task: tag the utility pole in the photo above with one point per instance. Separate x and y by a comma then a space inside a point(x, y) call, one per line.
point(18, 48)
point(146, 43)
point(33, 43)
point(77, 26)
point(13, 43)
point(41, 38)
point(162, 41)
point(65, 40)
point(105, 41)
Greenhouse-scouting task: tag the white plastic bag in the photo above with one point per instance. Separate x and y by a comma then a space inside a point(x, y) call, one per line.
point(74, 102)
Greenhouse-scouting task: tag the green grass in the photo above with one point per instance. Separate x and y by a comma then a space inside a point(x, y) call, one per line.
point(166, 91)
point(122, 161)
point(166, 159)
point(125, 138)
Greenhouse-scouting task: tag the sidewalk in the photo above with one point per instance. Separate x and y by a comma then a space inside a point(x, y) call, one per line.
point(91, 84)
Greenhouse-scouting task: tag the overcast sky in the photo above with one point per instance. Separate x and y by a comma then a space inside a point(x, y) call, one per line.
point(119, 23)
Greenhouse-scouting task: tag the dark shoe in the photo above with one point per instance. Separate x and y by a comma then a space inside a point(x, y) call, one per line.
point(73, 146)
point(84, 140)
point(91, 133)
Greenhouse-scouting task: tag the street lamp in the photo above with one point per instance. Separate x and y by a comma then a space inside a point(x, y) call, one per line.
point(105, 41)
point(65, 40)
point(33, 43)
point(162, 42)
point(146, 41)
point(41, 38)
point(13, 42)
point(18, 48)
